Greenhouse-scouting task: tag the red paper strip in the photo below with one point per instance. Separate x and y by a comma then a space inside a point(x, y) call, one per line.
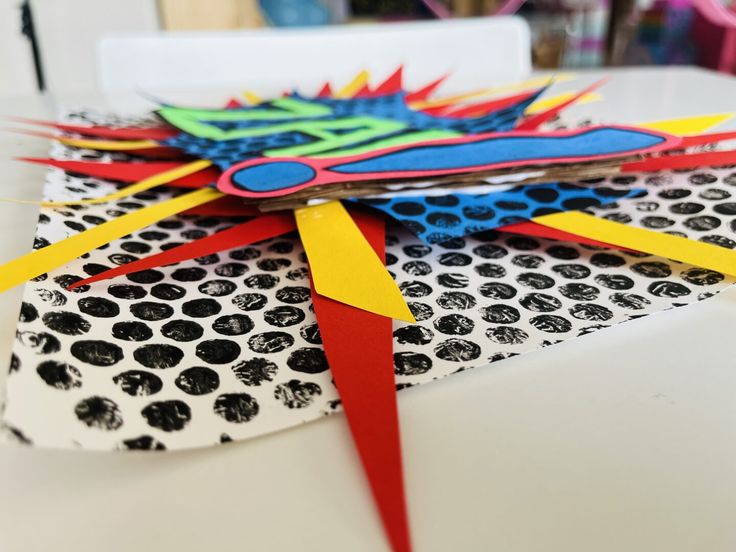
point(150, 133)
point(358, 345)
point(684, 161)
point(484, 108)
point(540, 231)
point(702, 139)
point(131, 172)
point(262, 228)
point(535, 121)
point(392, 84)
point(227, 206)
point(423, 93)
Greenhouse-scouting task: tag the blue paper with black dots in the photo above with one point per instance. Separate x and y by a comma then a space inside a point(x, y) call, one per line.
point(436, 219)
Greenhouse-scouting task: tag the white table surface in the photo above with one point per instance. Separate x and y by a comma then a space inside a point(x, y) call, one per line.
point(623, 440)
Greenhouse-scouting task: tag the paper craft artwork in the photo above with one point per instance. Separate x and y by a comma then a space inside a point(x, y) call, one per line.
point(224, 273)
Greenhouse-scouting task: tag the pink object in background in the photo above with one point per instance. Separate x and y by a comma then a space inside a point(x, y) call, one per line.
point(713, 12)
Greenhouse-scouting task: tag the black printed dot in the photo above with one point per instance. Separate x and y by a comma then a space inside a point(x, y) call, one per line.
point(453, 280)
point(414, 289)
point(167, 415)
point(233, 324)
point(408, 208)
point(534, 280)
point(614, 281)
point(540, 194)
point(309, 360)
point(490, 251)
point(126, 291)
point(668, 289)
point(250, 301)
point(702, 178)
point(527, 261)
point(702, 223)
point(144, 442)
point(442, 201)
point(158, 355)
point(443, 220)
point(652, 269)
point(701, 276)
point(182, 330)
point(189, 274)
point(273, 264)
point(170, 224)
point(687, 208)
point(138, 383)
point(231, 270)
point(572, 271)
point(500, 314)
point(236, 407)
point(579, 292)
point(283, 316)
point(454, 324)
point(607, 260)
point(456, 300)
point(99, 413)
point(457, 350)
point(28, 313)
point(310, 333)
point(121, 258)
point(511, 205)
point(629, 301)
point(41, 342)
point(417, 268)
point(255, 371)
point(245, 254)
point(98, 307)
point(96, 352)
point(153, 235)
point(590, 312)
point(217, 288)
point(454, 259)
point(293, 294)
point(218, 351)
point(507, 335)
point(497, 290)
point(131, 331)
point(201, 308)
point(149, 276)
point(563, 252)
point(411, 364)
point(674, 193)
point(67, 323)
point(655, 222)
point(297, 394)
point(720, 241)
point(65, 280)
point(168, 292)
point(197, 380)
point(416, 251)
point(714, 194)
point(59, 375)
point(478, 212)
point(540, 302)
point(551, 323)
point(302, 273)
point(522, 243)
point(414, 334)
point(151, 311)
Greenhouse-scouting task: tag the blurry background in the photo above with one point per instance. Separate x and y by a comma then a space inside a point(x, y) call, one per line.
point(40, 37)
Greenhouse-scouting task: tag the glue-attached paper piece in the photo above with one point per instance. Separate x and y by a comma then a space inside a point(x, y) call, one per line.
point(352, 88)
point(686, 126)
point(540, 231)
point(344, 266)
point(685, 161)
point(108, 145)
point(145, 184)
point(359, 346)
point(150, 133)
point(534, 121)
point(550, 102)
point(57, 254)
point(700, 254)
point(441, 218)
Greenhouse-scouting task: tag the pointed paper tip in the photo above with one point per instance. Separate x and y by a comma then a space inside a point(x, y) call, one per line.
point(685, 126)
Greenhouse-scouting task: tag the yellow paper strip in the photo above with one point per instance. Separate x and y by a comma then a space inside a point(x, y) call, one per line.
point(57, 254)
point(553, 101)
point(146, 184)
point(351, 88)
point(343, 264)
point(688, 126)
point(108, 145)
point(252, 97)
point(703, 255)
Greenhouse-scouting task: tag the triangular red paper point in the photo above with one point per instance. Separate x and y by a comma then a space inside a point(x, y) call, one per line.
point(437, 111)
point(684, 161)
point(150, 133)
point(325, 91)
point(485, 108)
point(702, 139)
point(232, 103)
point(130, 172)
point(364, 92)
point(423, 93)
point(359, 350)
point(262, 228)
point(533, 122)
point(392, 84)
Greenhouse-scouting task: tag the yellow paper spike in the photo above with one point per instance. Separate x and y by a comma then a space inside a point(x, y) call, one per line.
point(252, 97)
point(343, 264)
point(688, 126)
point(146, 184)
point(700, 254)
point(108, 145)
point(553, 101)
point(351, 88)
point(513, 87)
point(57, 254)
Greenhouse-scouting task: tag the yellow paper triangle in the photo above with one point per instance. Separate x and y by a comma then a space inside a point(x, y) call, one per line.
point(343, 264)
point(553, 101)
point(688, 126)
point(352, 88)
point(252, 97)
point(57, 254)
point(700, 254)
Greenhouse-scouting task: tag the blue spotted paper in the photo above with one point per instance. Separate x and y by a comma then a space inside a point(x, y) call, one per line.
point(436, 219)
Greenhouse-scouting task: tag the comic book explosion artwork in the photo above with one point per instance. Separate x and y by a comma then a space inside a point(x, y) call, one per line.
point(503, 236)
